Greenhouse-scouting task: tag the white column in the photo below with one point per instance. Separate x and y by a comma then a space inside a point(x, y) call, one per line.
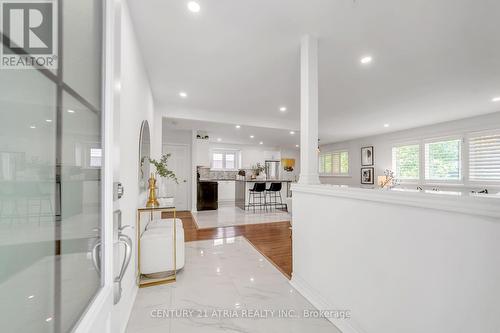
point(309, 110)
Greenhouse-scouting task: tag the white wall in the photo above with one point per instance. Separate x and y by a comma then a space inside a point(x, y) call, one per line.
point(383, 144)
point(136, 105)
point(397, 267)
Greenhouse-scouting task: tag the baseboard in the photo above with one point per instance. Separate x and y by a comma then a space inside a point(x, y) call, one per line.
point(319, 302)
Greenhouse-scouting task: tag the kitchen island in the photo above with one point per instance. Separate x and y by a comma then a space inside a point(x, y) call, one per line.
point(242, 188)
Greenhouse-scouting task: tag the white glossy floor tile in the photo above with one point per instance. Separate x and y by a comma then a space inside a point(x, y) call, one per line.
point(230, 216)
point(224, 275)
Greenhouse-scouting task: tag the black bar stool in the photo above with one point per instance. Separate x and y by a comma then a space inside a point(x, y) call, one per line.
point(274, 192)
point(257, 192)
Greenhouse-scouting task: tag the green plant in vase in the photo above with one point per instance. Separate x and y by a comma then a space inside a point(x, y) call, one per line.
point(162, 170)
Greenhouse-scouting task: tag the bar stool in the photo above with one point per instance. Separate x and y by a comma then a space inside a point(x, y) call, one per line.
point(257, 192)
point(274, 192)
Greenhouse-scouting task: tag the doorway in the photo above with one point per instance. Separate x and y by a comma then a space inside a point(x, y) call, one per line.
point(180, 164)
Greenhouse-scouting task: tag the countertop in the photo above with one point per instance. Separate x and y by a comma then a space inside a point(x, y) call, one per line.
point(215, 180)
point(265, 180)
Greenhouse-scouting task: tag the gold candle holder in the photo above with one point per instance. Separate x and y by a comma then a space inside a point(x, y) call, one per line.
point(152, 201)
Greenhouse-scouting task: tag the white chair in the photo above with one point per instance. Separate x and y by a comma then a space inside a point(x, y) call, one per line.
point(157, 246)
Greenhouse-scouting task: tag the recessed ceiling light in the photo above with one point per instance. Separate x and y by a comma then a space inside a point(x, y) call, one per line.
point(48, 120)
point(71, 111)
point(48, 319)
point(219, 139)
point(386, 125)
point(183, 94)
point(297, 146)
point(193, 6)
point(32, 126)
point(496, 99)
point(283, 108)
point(366, 60)
point(261, 143)
point(237, 126)
point(31, 296)
point(292, 132)
point(251, 136)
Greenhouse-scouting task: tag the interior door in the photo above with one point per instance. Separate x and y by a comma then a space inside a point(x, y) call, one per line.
point(180, 164)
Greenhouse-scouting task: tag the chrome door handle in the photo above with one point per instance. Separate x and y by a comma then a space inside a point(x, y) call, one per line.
point(127, 242)
point(96, 258)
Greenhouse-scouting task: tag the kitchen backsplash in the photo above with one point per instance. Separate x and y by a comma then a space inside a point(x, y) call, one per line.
point(206, 173)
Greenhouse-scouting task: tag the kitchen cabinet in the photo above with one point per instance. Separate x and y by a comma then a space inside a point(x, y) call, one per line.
point(202, 149)
point(226, 190)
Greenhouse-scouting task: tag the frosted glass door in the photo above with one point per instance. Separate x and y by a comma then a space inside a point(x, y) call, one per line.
point(50, 181)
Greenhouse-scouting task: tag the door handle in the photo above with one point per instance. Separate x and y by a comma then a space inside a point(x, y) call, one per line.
point(127, 242)
point(96, 258)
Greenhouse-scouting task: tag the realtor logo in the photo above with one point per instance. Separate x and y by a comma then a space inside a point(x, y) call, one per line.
point(29, 34)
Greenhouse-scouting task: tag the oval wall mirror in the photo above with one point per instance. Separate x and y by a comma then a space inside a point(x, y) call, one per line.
point(144, 155)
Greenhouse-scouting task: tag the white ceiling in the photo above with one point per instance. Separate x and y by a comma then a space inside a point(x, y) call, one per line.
point(228, 133)
point(239, 61)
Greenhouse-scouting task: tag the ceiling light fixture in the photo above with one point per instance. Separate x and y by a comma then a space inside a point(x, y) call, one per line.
point(193, 6)
point(292, 132)
point(238, 126)
point(297, 146)
point(366, 60)
point(251, 136)
point(283, 108)
point(219, 139)
point(183, 94)
point(48, 120)
point(71, 111)
point(261, 143)
point(386, 125)
point(496, 99)
point(32, 126)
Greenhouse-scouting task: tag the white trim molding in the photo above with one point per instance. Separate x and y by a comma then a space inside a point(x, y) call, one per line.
point(320, 303)
point(479, 205)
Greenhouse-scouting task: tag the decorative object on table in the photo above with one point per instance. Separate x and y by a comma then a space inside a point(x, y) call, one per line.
point(367, 176)
point(162, 170)
point(288, 164)
point(387, 180)
point(152, 201)
point(367, 156)
point(258, 169)
point(144, 154)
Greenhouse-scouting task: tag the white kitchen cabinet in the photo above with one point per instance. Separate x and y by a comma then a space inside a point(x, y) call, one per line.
point(202, 153)
point(226, 190)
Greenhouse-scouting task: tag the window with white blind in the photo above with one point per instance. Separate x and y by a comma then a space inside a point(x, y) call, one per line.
point(334, 163)
point(225, 160)
point(443, 161)
point(406, 162)
point(484, 158)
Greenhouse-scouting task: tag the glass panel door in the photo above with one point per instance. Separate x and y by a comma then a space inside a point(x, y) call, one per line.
point(50, 180)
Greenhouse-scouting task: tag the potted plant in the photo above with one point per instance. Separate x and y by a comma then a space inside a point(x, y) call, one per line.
point(258, 170)
point(162, 170)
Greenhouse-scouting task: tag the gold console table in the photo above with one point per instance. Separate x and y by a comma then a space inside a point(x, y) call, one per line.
point(143, 281)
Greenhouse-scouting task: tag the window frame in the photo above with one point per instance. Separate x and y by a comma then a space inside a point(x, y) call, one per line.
point(421, 170)
point(225, 152)
point(332, 173)
point(423, 157)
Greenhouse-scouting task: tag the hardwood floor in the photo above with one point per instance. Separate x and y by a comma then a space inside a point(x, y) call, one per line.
point(272, 240)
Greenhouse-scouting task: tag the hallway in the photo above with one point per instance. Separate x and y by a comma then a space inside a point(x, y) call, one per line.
point(224, 275)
